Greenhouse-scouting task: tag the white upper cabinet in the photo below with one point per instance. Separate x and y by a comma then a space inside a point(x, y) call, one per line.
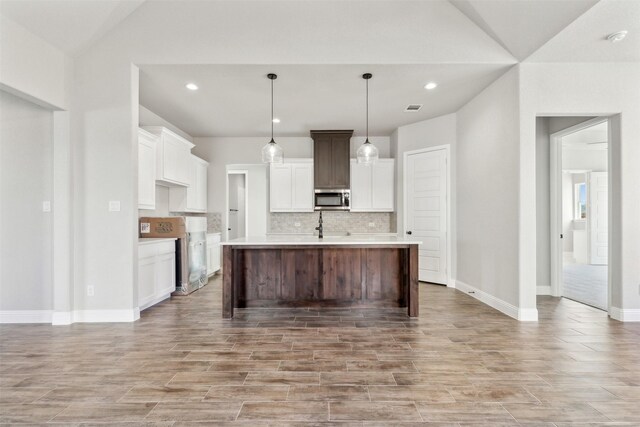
point(383, 185)
point(373, 186)
point(194, 197)
point(291, 186)
point(172, 157)
point(146, 169)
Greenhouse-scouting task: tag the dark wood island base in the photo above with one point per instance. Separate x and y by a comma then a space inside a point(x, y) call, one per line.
point(320, 276)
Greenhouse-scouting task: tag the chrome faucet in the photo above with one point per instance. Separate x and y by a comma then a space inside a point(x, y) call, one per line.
point(319, 227)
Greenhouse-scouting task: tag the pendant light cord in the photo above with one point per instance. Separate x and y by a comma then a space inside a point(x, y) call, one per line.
point(367, 140)
point(271, 110)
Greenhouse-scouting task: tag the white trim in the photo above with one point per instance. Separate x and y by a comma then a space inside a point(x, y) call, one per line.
point(100, 316)
point(62, 318)
point(625, 315)
point(450, 281)
point(523, 315)
point(154, 301)
point(244, 172)
point(26, 316)
point(543, 290)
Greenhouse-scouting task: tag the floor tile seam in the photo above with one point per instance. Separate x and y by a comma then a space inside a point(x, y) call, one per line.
point(134, 386)
point(510, 414)
point(595, 409)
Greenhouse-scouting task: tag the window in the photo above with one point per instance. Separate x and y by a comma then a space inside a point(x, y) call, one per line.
point(580, 197)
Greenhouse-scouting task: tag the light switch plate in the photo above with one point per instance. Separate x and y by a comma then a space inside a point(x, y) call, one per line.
point(372, 224)
point(296, 224)
point(114, 206)
point(46, 206)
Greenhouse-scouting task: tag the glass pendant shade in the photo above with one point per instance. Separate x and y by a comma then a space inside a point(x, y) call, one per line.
point(367, 153)
point(272, 153)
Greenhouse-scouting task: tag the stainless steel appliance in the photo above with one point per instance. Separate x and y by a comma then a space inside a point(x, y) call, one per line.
point(332, 200)
point(192, 256)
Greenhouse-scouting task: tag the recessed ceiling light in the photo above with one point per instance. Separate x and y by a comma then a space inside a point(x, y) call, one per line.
point(616, 37)
point(431, 85)
point(276, 120)
point(191, 86)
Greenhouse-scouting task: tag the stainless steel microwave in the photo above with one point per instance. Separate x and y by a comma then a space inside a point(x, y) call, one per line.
point(332, 200)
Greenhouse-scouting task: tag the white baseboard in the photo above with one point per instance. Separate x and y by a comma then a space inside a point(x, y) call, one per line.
point(451, 283)
point(154, 301)
point(26, 316)
point(101, 316)
point(625, 315)
point(62, 318)
point(522, 314)
point(543, 290)
point(68, 317)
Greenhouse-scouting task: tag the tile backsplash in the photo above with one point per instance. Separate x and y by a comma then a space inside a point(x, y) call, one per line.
point(333, 222)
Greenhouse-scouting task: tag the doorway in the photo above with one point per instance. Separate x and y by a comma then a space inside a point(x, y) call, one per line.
point(426, 210)
point(237, 209)
point(580, 214)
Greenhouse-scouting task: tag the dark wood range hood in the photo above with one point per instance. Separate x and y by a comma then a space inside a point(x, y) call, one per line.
point(331, 163)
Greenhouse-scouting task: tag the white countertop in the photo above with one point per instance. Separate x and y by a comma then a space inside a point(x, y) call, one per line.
point(328, 240)
point(149, 240)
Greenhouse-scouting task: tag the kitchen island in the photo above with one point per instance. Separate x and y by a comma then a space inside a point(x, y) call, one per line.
point(305, 271)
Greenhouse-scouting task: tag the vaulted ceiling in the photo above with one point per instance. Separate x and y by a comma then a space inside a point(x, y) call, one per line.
point(464, 45)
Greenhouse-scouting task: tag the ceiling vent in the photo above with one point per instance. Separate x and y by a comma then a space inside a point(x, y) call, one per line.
point(412, 108)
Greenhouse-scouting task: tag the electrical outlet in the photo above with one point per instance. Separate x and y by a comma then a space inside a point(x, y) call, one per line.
point(46, 206)
point(114, 206)
point(90, 291)
point(372, 224)
point(296, 224)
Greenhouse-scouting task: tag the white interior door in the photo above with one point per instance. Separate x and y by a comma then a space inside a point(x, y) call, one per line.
point(598, 217)
point(426, 216)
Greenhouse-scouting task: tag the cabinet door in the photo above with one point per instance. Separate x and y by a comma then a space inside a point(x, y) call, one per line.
point(146, 174)
point(209, 259)
point(165, 274)
point(383, 186)
point(302, 183)
point(340, 161)
point(193, 202)
point(201, 178)
point(215, 257)
point(280, 188)
point(322, 159)
point(173, 160)
point(146, 280)
point(360, 187)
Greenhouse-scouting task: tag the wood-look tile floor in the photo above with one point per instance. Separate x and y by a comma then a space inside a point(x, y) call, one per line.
point(461, 363)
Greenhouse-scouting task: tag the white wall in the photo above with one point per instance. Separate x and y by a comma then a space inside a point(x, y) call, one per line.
point(567, 216)
point(32, 68)
point(26, 149)
point(147, 117)
point(584, 159)
point(488, 192)
point(558, 89)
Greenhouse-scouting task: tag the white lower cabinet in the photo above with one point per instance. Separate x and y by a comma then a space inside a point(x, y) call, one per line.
point(373, 186)
point(156, 271)
point(213, 253)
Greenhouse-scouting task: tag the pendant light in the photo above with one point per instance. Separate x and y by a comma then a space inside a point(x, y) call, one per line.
point(367, 152)
point(272, 152)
